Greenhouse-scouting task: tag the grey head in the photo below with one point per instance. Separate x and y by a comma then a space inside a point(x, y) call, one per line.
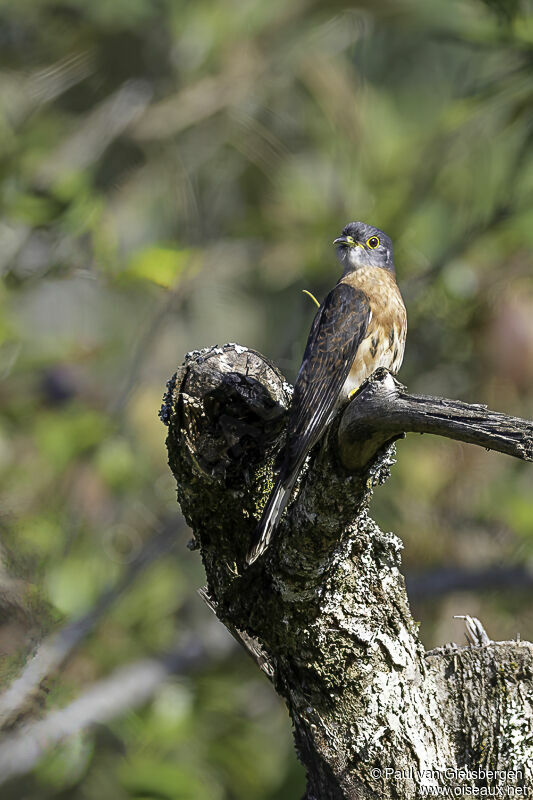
point(362, 245)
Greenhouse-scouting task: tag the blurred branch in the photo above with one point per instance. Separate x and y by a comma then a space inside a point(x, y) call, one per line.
point(383, 411)
point(51, 82)
point(23, 93)
point(53, 652)
point(240, 78)
point(126, 688)
point(443, 581)
point(198, 102)
point(100, 127)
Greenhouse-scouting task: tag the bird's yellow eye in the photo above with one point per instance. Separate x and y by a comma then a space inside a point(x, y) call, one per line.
point(373, 242)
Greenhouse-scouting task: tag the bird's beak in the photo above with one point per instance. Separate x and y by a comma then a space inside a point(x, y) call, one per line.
point(347, 241)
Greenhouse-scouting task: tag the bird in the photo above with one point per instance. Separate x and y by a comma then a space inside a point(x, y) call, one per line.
point(360, 326)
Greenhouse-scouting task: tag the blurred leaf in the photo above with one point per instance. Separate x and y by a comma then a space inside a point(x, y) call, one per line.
point(66, 764)
point(70, 433)
point(116, 463)
point(74, 583)
point(161, 265)
point(150, 609)
point(33, 209)
point(146, 777)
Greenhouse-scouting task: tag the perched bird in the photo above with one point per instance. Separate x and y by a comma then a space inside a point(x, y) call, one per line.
point(360, 326)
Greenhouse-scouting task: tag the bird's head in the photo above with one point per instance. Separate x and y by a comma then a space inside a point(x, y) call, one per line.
point(362, 245)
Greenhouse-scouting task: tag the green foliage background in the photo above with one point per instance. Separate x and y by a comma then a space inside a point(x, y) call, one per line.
point(173, 174)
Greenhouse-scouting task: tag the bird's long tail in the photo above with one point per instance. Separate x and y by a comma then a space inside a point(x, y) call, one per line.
point(266, 528)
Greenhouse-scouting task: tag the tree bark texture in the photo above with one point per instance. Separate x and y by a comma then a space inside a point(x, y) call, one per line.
point(325, 612)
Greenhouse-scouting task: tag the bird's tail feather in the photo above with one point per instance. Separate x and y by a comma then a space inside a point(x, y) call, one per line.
point(266, 527)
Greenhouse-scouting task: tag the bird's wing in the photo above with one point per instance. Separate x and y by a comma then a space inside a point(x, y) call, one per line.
point(338, 328)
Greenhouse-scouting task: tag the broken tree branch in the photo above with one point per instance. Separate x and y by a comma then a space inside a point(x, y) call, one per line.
point(374, 715)
point(382, 410)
